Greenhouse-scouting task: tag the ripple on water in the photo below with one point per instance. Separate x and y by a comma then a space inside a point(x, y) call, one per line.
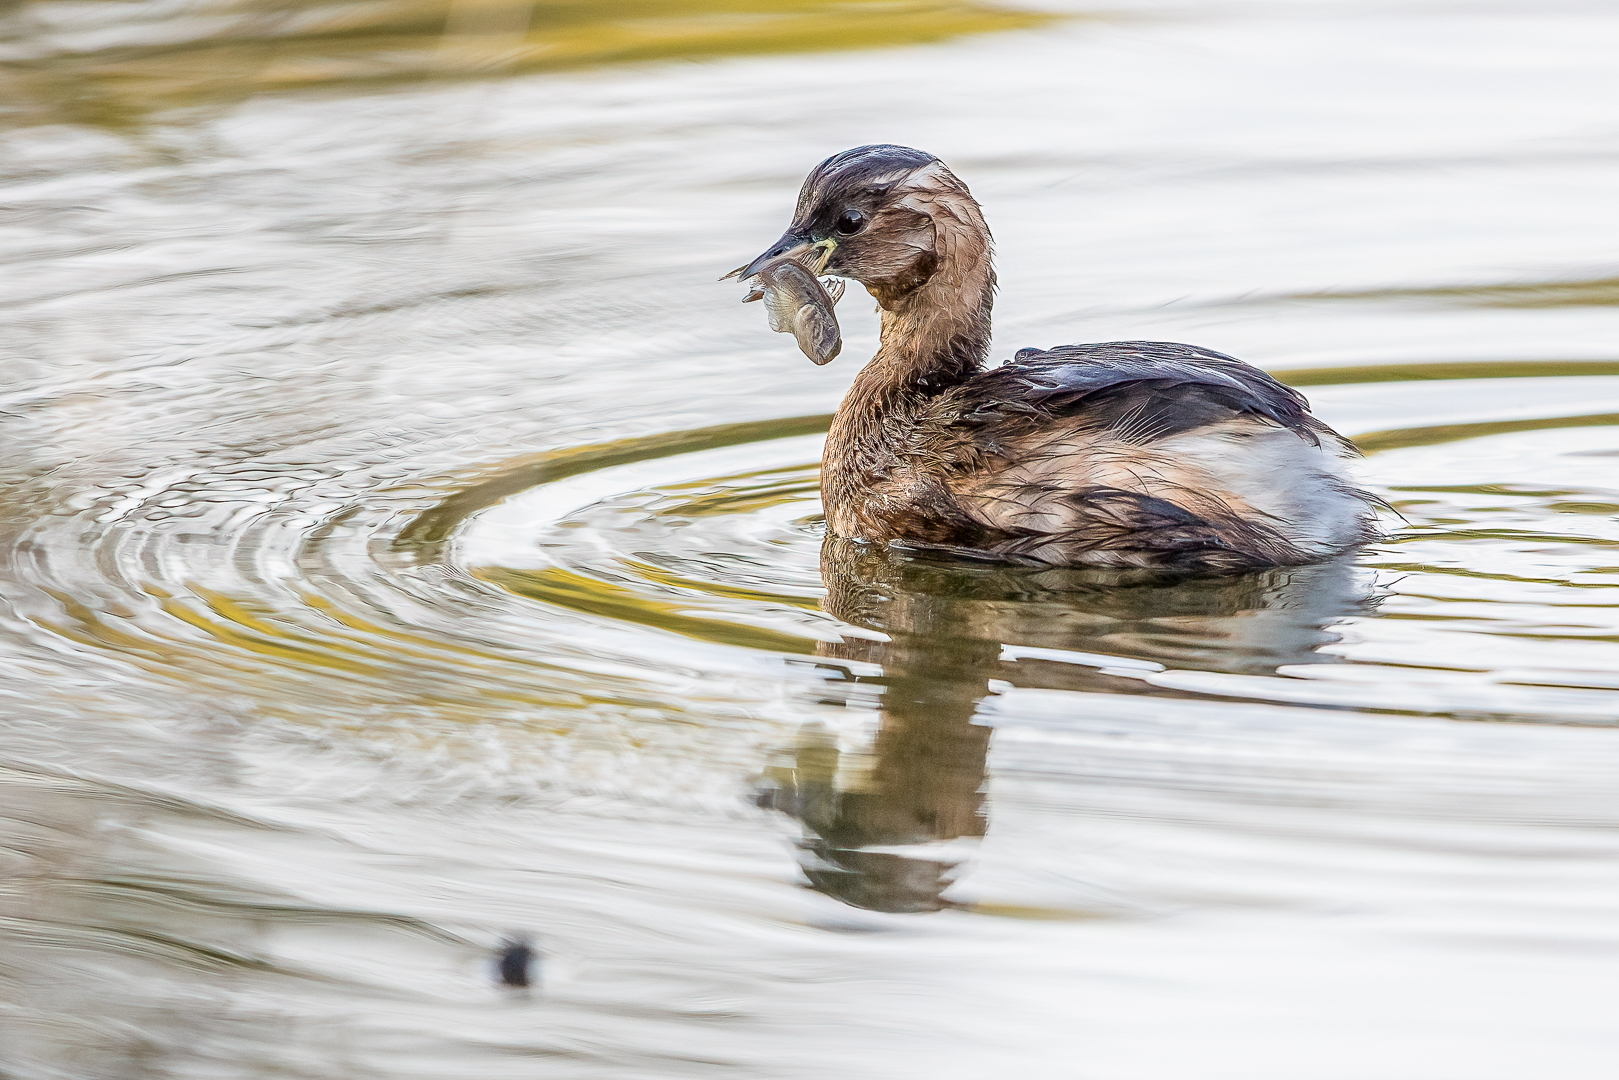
point(1463, 611)
point(374, 595)
point(1479, 590)
point(642, 635)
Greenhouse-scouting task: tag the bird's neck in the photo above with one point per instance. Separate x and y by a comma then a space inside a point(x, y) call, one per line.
point(934, 336)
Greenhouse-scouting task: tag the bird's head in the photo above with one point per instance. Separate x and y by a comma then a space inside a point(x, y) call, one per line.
point(887, 216)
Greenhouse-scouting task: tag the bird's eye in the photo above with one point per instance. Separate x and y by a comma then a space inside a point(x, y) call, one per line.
point(850, 222)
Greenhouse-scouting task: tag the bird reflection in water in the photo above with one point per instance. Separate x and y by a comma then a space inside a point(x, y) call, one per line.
point(922, 781)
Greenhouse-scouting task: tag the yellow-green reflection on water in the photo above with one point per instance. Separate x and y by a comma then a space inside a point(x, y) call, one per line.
point(223, 51)
point(1443, 433)
point(1599, 292)
point(426, 533)
point(1441, 370)
point(590, 596)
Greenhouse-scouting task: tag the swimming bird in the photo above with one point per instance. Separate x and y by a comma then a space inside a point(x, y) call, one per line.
point(1125, 453)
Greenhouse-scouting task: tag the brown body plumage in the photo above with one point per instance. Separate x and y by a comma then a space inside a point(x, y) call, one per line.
point(1122, 454)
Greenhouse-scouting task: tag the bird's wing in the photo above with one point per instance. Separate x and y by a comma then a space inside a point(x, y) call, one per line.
point(1139, 391)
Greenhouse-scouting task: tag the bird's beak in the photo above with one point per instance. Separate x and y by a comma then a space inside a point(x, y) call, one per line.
point(792, 246)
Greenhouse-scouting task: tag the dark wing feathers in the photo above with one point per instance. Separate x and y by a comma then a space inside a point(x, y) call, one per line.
point(1145, 389)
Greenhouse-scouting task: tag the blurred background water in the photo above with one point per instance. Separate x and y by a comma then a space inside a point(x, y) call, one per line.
point(409, 545)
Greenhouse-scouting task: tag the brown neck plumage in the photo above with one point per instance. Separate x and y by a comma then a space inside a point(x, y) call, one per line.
point(935, 335)
point(935, 331)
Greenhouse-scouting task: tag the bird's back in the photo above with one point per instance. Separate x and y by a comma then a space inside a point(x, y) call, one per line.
point(1142, 454)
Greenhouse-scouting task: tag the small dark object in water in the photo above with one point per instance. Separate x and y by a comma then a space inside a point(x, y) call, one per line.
point(514, 961)
point(1127, 454)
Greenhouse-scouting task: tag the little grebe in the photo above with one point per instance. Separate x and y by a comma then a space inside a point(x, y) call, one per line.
point(1133, 453)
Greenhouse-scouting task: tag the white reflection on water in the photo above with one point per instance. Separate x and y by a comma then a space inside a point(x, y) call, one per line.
point(361, 609)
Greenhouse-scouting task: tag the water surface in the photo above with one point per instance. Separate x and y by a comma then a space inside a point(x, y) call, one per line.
point(409, 545)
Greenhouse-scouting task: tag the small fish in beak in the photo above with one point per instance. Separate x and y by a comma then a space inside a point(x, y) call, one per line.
point(799, 303)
